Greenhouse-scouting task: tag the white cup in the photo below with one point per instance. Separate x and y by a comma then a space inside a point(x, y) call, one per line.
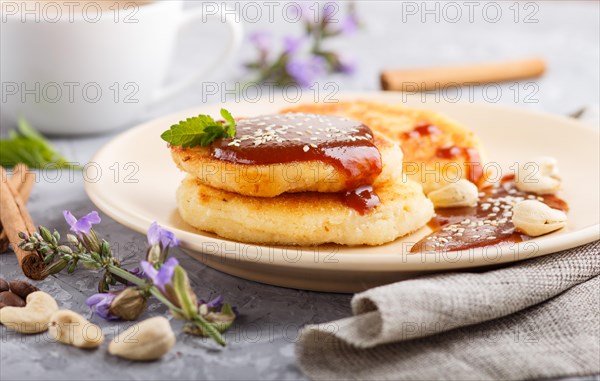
point(68, 67)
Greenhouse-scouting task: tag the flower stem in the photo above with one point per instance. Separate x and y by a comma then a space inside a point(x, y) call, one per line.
point(209, 329)
point(126, 275)
point(154, 291)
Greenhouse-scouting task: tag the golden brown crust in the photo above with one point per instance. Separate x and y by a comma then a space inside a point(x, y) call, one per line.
point(275, 179)
point(307, 218)
point(421, 161)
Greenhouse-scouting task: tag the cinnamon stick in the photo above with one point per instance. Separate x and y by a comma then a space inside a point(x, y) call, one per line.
point(439, 77)
point(15, 218)
point(18, 175)
point(23, 180)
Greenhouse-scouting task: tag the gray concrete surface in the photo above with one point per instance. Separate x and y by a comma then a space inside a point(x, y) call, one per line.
point(566, 34)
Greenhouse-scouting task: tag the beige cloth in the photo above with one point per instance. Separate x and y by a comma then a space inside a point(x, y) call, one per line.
point(536, 319)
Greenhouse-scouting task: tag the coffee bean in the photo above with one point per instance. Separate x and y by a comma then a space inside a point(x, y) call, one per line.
point(3, 285)
point(9, 299)
point(22, 288)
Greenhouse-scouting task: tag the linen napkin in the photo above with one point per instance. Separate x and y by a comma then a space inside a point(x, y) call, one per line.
point(537, 319)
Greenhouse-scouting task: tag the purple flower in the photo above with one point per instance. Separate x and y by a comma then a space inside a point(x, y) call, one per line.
point(160, 240)
point(163, 276)
point(346, 65)
point(214, 305)
point(349, 25)
point(82, 225)
point(156, 235)
point(100, 303)
point(137, 272)
point(261, 39)
point(302, 11)
point(329, 11)
point(305, 71)
point(292, 44)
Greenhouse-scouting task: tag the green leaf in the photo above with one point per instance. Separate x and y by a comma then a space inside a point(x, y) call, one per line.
point(26, 145)
point(219, 321)
point(46, 234)
point(230, 129)
point(185, 296)
point(105, 251)
point(200, 130)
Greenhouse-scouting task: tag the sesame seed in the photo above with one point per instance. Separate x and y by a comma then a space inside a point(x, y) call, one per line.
point(305, 148)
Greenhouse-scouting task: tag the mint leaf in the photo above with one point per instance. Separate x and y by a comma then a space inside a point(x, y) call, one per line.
point(200, 130)
point(230, 130)
point(26, 145)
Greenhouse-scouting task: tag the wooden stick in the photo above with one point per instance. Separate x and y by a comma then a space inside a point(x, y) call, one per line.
point(412, 80)
point(15, 218)
point(23, 180)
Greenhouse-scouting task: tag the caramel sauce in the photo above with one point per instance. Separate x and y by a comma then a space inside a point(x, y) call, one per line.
point(345, 144)
point(422, 129)
point(361, 199)
point(487, 223)
point(472, 160)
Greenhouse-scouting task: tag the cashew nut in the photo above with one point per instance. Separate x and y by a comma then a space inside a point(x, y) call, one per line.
point(460, 193)
point(539, 176)
point(535, 218)
point(71, 328)
point(34, 317)
point(145, 341)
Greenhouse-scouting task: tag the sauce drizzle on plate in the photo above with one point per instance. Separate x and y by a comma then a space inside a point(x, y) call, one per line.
point(487, 223)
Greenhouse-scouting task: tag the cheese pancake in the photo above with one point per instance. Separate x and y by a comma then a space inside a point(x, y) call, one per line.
point(282, 164)
point(437, 150)
point(308, 218)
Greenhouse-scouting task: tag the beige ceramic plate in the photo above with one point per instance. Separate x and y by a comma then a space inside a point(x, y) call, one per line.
point(144, 191)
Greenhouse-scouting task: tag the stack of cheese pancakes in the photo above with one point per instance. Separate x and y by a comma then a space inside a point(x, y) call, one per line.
point(319, 174)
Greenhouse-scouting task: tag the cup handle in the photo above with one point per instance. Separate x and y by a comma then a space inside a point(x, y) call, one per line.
point(235, 40)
